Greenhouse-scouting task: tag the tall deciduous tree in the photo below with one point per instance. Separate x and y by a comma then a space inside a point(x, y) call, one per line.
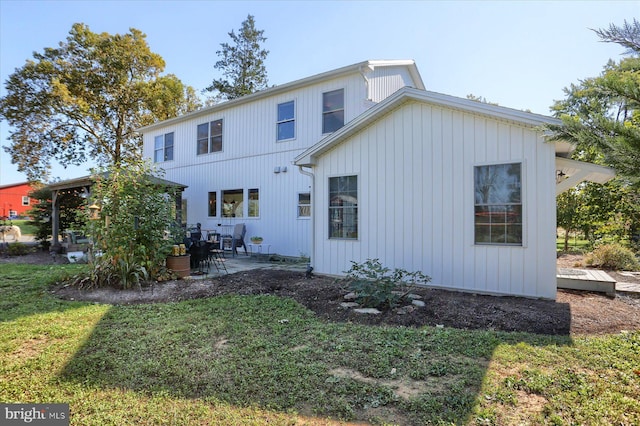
point(241, 63)
point(85, 98)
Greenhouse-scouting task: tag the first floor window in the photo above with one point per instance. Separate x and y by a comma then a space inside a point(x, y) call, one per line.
point(332, 110)
point(232, 205)
point(254, 203)
point(25, 200)
point(498, 204)
point(213, 204)
point(163, 148)
point(304, 204)
point(343, 207)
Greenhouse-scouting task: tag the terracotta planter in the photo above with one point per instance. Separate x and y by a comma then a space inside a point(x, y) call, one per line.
point(180, 265)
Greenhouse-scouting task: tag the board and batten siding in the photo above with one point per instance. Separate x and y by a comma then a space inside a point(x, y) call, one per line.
point(383, 81)
point(251, 152)
point(415, 168)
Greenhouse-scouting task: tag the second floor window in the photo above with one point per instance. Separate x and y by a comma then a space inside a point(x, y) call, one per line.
point(163, 148)
point(25, 200)
point(286, 121)
point(332, 110)
point(210, 137)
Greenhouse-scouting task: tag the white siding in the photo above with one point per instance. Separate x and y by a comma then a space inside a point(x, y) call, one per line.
point(416, 204)
point(250, 153)
point(384, 81)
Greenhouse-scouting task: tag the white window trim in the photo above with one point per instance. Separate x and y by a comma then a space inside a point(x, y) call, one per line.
point(328, 201)
point(523, 198)
point(294, 119)
point(298, 205)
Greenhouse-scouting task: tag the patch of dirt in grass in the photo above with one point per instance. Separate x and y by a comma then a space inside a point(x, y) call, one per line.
point(573, 312)
point(404, 388)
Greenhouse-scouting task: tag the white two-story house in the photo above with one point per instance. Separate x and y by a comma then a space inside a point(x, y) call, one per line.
point(362, 162)
point(237, 157)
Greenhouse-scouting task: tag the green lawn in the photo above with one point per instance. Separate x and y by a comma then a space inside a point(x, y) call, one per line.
point(254, 360)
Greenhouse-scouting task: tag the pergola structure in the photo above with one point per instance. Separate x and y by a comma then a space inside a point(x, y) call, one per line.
point(83, 185)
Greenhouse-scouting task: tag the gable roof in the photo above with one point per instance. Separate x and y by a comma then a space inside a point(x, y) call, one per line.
point(87, 181)
point(11, 185)
point(407, 94)
point(358, 67)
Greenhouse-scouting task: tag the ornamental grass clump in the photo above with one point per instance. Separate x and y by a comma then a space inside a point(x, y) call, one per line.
point(376, 286)
point(613, 256)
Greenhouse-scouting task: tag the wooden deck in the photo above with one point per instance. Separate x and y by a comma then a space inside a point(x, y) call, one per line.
point(586, 279)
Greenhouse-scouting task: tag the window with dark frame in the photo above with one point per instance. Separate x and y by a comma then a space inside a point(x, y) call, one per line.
point(213, 204)
point(286, 123)
point(498, 204)
point(209, 137)
point(232, 205)
point(343, 207)
point(163, 148)
point(332, 110)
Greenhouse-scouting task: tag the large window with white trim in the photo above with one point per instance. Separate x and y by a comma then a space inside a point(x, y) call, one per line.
point(343, 207)
point(498, 204)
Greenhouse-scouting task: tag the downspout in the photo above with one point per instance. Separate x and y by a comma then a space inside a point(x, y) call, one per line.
point(363, 73)
point(312, 255)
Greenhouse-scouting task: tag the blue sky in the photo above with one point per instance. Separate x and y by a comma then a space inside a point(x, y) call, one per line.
point(518, 54)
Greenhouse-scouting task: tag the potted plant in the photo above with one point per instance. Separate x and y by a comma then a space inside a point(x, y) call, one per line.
point(256, 240)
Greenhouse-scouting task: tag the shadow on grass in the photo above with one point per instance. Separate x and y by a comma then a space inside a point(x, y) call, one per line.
point(273, 353)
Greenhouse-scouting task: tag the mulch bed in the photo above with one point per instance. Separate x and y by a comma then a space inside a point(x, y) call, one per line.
point(573, 312)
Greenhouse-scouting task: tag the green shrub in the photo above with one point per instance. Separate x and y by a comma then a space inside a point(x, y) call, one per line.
point(18, 249)
point(376, 286)
point(613, 256)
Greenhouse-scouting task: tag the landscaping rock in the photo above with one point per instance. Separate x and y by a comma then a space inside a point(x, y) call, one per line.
point(347, 305)
point(418, 303)
point(350, 296)
point(373, 311)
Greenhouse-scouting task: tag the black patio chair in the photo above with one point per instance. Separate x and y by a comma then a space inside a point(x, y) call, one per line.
point(199, 251)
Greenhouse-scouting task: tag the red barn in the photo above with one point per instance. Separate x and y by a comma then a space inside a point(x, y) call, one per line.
point(14, 199)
